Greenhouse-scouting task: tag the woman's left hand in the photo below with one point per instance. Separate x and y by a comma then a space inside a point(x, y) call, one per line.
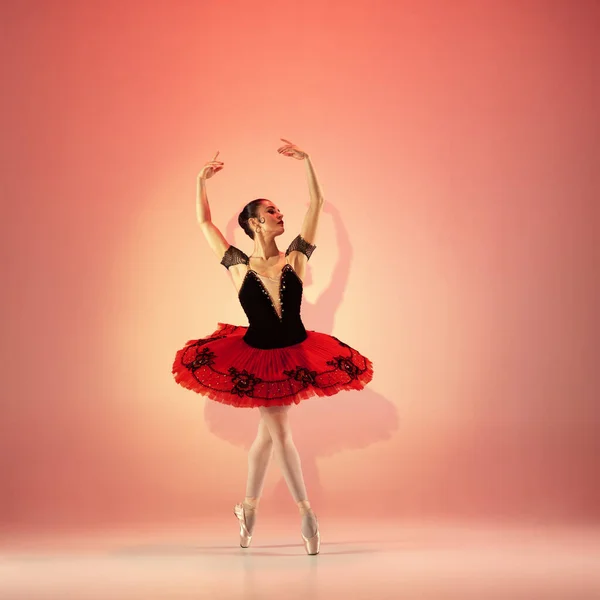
point(292, 150)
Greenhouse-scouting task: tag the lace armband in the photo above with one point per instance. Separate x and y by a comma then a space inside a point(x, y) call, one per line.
point(300, 244)
point(234, 256)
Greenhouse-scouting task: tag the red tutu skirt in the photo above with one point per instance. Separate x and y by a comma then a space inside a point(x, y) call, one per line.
point(223, 367)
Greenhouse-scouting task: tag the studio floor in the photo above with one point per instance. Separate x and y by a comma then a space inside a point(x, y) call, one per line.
point(358, 560)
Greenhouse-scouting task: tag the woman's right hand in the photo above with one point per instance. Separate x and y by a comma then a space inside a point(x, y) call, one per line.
point(210, 168)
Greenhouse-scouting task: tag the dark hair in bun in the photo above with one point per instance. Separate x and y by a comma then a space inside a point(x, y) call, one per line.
point(249, 211)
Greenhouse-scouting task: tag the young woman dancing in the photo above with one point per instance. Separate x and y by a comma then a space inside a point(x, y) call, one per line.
point(274, 362)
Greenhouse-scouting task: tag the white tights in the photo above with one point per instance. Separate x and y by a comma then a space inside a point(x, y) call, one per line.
point(275, 436)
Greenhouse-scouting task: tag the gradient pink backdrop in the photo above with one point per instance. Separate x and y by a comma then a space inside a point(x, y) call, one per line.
point(457, 144)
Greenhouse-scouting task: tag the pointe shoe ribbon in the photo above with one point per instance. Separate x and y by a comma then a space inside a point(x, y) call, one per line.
point(245, 537)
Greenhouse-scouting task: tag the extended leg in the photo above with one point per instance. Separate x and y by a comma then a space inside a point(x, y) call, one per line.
point(259, 457)
point(277, 420)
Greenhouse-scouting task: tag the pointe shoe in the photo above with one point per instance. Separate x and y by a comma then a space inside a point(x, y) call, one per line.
point(312, 545)
point(245, 537)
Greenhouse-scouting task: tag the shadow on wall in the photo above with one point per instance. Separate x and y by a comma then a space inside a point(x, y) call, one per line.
point(321, 426)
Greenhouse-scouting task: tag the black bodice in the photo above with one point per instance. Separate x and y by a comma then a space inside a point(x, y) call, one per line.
point(266, 328)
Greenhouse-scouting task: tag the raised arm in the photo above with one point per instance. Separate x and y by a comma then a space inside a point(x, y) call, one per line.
point(214, 237)
point(308, 232)
point(311, 219)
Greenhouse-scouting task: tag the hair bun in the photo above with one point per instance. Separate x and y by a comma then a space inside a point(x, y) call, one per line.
point(250, 211)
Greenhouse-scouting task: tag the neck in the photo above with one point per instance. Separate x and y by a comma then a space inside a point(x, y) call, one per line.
point(265, 248)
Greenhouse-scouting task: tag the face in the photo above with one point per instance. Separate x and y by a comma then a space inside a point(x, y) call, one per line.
point(273, 219)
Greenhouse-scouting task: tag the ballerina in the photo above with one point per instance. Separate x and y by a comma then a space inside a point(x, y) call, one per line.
point(274, 362)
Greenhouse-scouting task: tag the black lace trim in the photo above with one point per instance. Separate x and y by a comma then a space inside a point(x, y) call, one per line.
point(300, 244)
point(199, 357)
point(234, 256)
